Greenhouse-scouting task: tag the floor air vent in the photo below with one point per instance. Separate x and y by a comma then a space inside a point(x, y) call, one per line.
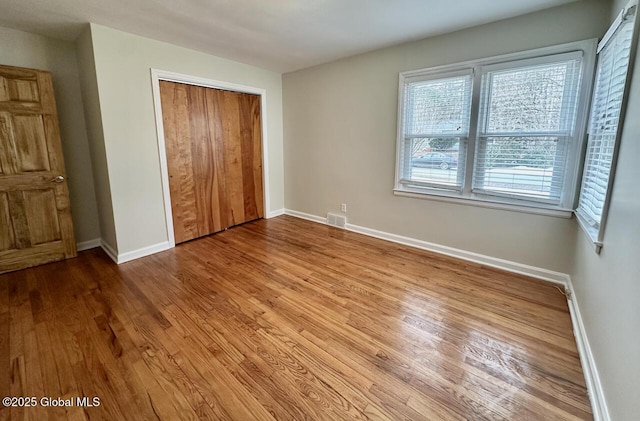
point(336, 220)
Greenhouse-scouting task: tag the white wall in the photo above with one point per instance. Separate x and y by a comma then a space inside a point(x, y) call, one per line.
point(91, 102)
point(23, 49)
point(122, 65)
point(607, 286)
point(340, 139)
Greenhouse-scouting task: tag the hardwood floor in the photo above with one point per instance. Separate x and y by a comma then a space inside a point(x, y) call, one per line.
point(287, 319)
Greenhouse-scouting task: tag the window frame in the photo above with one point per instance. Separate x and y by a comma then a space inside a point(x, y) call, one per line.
point(466, 195)
point(423, 77)
point(596, 234)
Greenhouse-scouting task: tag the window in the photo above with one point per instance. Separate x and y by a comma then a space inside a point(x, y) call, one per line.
point(503, 130)
point(614, 54)
point(436, 130)
point(527, 123)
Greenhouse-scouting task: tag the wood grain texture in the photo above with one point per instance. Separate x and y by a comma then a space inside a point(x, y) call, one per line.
point(37, 211)
point(252, 157)
point(219, 197)
point(213, 142)
point(30, 143)
point(7, 237)
point(232, 139)
point(23, 88)
point(202, 155)
point(287, 319)
point(42, 218)
point(180, 167)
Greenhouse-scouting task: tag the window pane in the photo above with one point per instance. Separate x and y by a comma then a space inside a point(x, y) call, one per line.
point(531, 99)
point(438, 107)
point(522, 166)
point(435, 161)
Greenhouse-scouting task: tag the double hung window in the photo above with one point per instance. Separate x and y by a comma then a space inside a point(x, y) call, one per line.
point(527, 125)
point(504, 130)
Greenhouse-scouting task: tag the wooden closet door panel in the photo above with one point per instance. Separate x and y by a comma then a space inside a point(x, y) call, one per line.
point(252, 157)
point(177, 134)
point(214, 156)
point(202, 157)
point(219, 199)
point(230, 115)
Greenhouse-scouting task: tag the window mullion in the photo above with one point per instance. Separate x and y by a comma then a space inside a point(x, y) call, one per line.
point(473, 132)
point(566, 143)
point(406, 159)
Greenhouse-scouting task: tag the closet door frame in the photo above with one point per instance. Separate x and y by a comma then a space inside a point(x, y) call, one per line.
point(156, 77)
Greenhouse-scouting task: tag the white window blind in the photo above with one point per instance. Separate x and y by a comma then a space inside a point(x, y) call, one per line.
point(502, 131)
point(527, 122)
point(436, 129)
point(606, 105)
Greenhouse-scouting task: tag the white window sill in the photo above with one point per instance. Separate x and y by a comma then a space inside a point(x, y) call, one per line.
point(485, 203)
point(591, 233)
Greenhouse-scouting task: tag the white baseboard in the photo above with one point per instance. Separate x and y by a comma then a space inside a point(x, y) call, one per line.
point(594, 386)
point(307, 216)
point(514, 267)
point(135, 254)
point(89, 244)
point(111, 252)
point(142, 252)
point(592, 379)
point(273, 214)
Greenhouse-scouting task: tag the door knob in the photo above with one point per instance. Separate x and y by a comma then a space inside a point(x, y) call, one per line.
point(58, 179)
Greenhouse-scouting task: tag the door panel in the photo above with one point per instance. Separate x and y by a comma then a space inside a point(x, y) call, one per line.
point(7, 238)
point(214, 157)
point(178, 146)
point(203, 167)
point(34, 201)
point(8, 158)
point(30, 143)
point(18, 90)
point(252, 160)
point(41, 212)
point(18, 216)
point(233, 157)
point(219, 197)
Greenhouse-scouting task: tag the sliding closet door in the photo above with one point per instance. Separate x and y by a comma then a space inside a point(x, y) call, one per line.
point(214, 157)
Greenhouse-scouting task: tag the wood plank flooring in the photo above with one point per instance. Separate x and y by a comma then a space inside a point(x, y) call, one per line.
point(287, 319)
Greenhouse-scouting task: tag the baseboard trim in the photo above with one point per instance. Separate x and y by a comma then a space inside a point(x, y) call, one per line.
point(514, 267)
point(592, 379)
point(120, 258)
point(591, 376)
point(111, 252)
point(307, 216)
point(273, 214)
point(89, 244)
point(142, 252)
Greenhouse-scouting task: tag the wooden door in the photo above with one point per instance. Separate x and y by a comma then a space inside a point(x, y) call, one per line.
point(35, 214)
point(213, 142)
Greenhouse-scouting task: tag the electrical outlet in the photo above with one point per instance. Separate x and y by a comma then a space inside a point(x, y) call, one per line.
point(343, 207)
